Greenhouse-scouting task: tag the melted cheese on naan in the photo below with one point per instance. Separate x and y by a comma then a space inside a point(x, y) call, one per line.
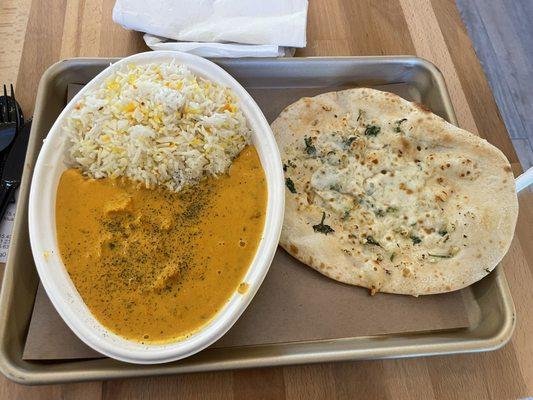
point(383, 189)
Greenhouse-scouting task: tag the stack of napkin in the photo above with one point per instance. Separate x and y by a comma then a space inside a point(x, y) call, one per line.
point(217, 28)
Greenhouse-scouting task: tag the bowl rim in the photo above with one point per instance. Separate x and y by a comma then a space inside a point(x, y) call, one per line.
point(42, 230)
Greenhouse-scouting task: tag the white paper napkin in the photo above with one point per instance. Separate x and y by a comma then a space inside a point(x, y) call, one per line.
point(231, 50)
point(255, 28)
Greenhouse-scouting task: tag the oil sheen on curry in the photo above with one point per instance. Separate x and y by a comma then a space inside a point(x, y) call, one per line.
point(155, 266)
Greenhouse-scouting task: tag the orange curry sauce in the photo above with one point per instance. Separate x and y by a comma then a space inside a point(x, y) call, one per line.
point(155, 266)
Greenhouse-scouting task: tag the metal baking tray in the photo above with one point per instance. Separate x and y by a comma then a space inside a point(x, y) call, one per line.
point(493, 313)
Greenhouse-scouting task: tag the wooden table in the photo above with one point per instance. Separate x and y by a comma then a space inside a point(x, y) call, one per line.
point(37, 33)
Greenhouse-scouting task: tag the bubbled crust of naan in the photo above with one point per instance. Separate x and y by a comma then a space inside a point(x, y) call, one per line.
point(493, 193)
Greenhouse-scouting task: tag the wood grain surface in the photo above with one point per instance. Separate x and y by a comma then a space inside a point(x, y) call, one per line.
point(502, 34)
point(37, 33)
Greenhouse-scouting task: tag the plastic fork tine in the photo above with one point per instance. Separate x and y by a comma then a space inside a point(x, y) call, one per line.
point(5, 111)
point(17, 116)
point(7, 105)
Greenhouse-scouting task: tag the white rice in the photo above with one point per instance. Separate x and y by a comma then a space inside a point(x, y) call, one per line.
point(158, 124)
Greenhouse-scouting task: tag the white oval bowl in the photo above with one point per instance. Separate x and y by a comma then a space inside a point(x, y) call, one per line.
point(42, 226)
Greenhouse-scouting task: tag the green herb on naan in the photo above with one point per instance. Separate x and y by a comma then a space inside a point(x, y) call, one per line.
point(323, 228)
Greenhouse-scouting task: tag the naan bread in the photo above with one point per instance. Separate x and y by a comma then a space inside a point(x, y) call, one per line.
point(383, 194)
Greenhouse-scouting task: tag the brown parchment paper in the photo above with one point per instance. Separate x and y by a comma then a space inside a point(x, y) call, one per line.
point(294, 303)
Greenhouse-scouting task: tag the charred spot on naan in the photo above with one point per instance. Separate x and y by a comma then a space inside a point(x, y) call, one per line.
point(293, 249)
point(421, 107)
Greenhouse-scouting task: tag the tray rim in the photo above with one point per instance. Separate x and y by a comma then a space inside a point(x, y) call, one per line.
point(425, 347)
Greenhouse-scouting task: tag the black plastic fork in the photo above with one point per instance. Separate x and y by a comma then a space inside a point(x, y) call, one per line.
point(9, 119)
